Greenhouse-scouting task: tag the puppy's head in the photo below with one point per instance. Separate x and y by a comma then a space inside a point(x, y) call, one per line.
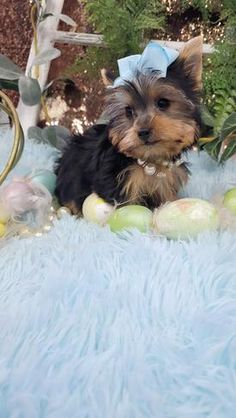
point(157, 118)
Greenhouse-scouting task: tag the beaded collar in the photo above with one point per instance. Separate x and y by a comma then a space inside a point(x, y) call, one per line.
point(152, 170)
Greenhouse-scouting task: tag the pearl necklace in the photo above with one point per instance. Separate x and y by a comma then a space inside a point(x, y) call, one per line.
point(151, 169)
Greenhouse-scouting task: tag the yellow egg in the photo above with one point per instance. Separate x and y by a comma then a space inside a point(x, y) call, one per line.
point(96, 209)
point(4, 216)
point(3, 230)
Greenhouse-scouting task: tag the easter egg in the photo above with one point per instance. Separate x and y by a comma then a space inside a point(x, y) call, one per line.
point(4, 215)
point(185, 218)
point(45, 177)
point(133, 216)
point(95, 209)
point(229, 201)
point(2, 230)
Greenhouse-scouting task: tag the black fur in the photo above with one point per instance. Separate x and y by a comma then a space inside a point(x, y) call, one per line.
point(90, 164)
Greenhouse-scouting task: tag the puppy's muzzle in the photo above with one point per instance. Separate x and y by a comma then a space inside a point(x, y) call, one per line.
point(144, 135)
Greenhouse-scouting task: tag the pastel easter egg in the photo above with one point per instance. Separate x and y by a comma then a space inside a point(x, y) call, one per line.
point(133, 216)
point(4, 215)
point(185, 218)
point(3, 229)
point(45, 177)
point(95, 209)
point(229, 201)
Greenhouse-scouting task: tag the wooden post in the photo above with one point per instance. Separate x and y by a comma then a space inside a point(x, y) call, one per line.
point(74, 38)
point(28, 115)
point(88, 39)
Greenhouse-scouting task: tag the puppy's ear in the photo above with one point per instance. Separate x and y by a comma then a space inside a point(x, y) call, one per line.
point(191, 59)
point(107, 77)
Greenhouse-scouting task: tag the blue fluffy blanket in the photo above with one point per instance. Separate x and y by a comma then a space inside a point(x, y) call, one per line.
point(93, 325)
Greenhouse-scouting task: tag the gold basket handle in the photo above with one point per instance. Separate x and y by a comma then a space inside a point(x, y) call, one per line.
point(18, 145)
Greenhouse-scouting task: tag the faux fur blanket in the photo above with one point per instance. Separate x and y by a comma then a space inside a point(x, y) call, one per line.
point(94, 325)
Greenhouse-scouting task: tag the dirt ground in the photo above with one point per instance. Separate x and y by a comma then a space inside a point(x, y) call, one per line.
point(78, 104)
point(84, 98)
point(15, 33)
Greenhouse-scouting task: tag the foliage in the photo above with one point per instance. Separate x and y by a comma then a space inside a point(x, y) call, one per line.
point(125, 24)
point(57, 136)
point(219, 70)
point(223, 146)
point(220, 82)
point(205, 7)
point(13, 78)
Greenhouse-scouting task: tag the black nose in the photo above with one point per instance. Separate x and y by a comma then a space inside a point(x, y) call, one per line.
point(144, 134)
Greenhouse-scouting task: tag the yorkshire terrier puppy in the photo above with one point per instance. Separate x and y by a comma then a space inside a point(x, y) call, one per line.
point(136, 156)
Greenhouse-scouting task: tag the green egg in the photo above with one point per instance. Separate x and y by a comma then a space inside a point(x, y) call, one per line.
point(45, 177)
point(229, 201)
point(185, 218)
point(133, 216)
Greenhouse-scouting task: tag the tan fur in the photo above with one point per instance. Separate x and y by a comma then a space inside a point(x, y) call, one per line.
point(169, 137)
point(73, 208)
point(170, 131)
point(105, 79)
point(162, 188)
point(191, 54)
point(173, 134)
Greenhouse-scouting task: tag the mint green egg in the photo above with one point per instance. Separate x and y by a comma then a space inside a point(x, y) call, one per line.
point(45, 177)
point(229, 201)
point(185, 218)
point(133, 216)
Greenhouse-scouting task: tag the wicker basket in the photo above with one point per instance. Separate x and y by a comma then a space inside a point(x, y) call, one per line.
point(7, 106)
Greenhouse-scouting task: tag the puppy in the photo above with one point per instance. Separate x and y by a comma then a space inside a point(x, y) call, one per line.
point(137, 156)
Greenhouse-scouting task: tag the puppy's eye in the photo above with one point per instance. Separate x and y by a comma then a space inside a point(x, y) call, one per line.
point(129, 111)
point(162, 104)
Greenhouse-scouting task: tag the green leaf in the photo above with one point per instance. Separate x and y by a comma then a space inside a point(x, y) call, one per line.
point(9, 84)
point(63, 136)
point(45, 56)
point(34, 132)
point(9, 70)
point(62, 132)
point(228, 126)
point(29, 90)
point(207, 118)
point(213, 148)
point(229, 150)
point(57, 136)
point(49, 135)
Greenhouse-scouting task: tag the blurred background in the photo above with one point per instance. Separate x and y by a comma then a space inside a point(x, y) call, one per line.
point(74, 100)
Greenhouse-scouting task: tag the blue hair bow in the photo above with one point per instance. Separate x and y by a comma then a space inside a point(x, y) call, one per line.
point(154, 58)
